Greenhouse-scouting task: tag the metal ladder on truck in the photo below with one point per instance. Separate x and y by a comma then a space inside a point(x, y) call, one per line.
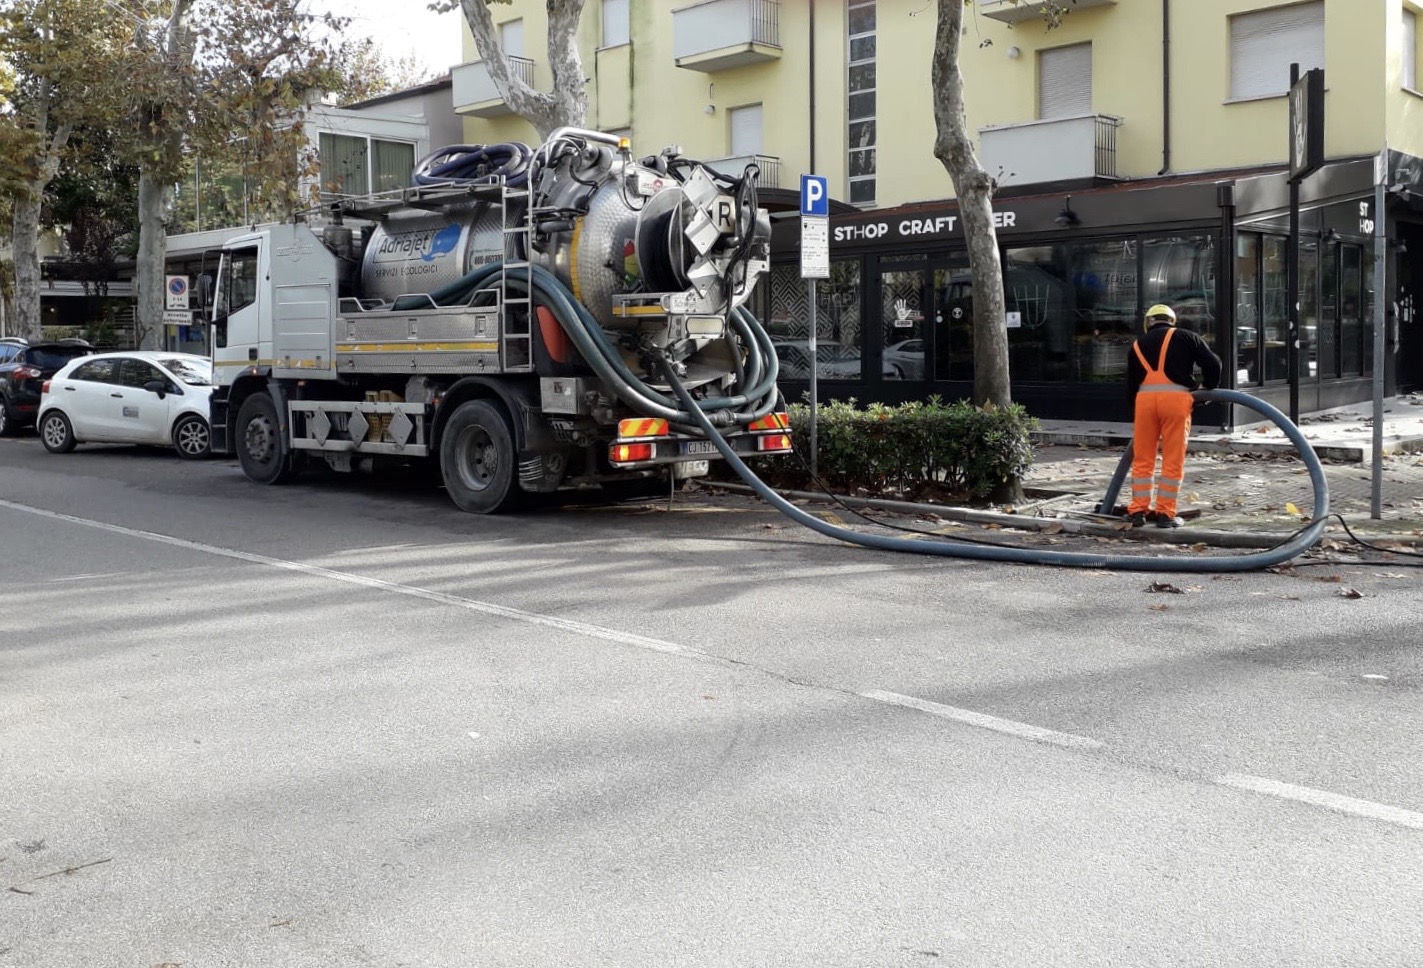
point(516, 307)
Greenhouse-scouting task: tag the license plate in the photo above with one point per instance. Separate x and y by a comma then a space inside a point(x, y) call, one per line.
point(697, 447)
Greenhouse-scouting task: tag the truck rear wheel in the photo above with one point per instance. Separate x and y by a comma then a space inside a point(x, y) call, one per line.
point(477, 458)
point(260, 451)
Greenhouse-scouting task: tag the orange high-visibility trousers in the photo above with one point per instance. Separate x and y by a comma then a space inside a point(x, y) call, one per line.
point(1162, 417)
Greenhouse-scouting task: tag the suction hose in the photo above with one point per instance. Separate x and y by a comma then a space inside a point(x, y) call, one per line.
point(1030, 556)
point(609, 364)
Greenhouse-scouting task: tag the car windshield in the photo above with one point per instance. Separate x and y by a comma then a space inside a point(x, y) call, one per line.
point(53, 357)
point(197, 373)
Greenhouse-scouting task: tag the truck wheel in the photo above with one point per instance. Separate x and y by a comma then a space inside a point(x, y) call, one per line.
point(477, 459)
point(259, 442)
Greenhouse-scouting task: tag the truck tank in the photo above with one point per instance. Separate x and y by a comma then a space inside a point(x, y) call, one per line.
point(419, 251)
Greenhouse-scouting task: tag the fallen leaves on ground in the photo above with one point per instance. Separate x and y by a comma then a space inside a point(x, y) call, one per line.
point(1163, 588)
point(1159, 608)
point(1349, 593)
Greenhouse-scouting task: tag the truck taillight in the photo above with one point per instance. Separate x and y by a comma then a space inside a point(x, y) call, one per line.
point(774, 442)
point(629, 453)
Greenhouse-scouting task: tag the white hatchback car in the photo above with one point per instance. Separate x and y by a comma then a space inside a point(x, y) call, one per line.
point(137, 397)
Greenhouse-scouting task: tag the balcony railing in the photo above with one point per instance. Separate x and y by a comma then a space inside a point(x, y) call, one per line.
point(1009, 11)
point(735, 166)
point(1053, 150)
point(474, 92)
point(717, 35)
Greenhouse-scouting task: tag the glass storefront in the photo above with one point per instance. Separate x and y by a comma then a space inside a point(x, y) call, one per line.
point(784, 306)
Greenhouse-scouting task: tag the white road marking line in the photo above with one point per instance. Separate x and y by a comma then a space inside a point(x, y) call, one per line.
point(486, 608)
point(1323, 798)
point(982, 720)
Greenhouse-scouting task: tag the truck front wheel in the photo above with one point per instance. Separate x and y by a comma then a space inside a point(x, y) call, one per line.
point(259, 446)
point(477, 458)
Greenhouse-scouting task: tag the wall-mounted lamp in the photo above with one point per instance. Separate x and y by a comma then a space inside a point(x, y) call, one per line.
point(1399, 246)
point(1014, 53)
point(1067, 217)
point(709, 110)
point(1329, 236)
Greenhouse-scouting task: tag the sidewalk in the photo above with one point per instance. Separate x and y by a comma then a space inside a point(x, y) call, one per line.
point(1252, 479)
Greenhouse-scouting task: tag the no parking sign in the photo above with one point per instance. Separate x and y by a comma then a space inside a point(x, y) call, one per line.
point(177, 289)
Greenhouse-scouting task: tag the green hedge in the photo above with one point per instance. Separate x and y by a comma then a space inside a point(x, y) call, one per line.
point(915, 449)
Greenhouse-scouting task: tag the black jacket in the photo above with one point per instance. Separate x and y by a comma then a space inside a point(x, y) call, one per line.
point(1186, 352)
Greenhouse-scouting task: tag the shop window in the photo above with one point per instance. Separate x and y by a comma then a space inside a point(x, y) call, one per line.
point(1247, 310)
point(786, 312)
point(1264, 43)
point(1309, 321)
point(1180, 271)
point(1351, 309)
point(1078, 309)
point(1065, 81)
point(1329, 311)
point(1274, 309)
point(902, 324)
point(953, 323)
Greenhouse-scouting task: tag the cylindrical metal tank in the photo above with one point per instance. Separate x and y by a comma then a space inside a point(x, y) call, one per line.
point(418, 251)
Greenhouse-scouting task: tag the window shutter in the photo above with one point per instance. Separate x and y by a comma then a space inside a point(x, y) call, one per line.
point(746, 130)
point(1264, 43)
point(1410, 50)
point(1065, 81)
point(511, 36)
point(615, 23)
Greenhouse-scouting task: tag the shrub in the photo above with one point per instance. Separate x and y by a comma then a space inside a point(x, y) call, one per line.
point(918, 449)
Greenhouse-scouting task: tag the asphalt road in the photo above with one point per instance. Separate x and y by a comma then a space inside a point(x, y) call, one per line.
point(341, 723)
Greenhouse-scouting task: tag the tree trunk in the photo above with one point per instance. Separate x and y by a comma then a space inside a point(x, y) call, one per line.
point(26, 229)
point(567, 106)
point(152, 250)
point(974, 189)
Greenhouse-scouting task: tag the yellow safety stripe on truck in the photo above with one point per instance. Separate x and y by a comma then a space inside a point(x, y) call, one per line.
point(573, 259)
point(484, 347)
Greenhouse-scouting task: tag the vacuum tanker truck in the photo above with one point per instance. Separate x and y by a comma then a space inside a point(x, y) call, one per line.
point(514, 318)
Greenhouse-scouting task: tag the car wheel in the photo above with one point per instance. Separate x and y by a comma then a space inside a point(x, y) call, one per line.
point(55, 433)
point(260, 451)
point(192, 438)
point(477, 459)
point(8, 424)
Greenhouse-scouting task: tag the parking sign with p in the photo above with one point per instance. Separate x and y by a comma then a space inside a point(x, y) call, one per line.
point(814, 196)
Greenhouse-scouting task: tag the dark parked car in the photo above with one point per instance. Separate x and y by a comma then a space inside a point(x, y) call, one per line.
point(23, 370)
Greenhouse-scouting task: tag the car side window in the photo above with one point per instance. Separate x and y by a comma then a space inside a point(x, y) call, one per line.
point(97, 371)
point(135, 373)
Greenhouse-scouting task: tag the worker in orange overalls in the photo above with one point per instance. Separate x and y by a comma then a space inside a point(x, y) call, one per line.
point(1160, 377)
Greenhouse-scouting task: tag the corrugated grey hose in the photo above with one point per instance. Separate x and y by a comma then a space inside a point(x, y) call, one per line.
point(1296, 544)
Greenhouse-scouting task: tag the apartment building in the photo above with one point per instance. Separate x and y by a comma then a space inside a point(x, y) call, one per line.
point(1140, 149)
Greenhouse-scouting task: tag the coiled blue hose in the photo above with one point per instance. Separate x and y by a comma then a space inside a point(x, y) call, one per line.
point(456, 164)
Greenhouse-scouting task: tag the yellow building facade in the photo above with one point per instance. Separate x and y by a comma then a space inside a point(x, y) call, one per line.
point(1137, 137)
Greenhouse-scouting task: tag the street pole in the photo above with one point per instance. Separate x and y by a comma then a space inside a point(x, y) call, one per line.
point(1292, 287)
point(814, 395)
point(1380, 293)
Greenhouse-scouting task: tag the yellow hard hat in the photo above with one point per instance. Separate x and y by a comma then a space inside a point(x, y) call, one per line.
point(1156, 313)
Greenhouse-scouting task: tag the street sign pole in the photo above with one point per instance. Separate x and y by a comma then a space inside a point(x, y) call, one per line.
point(1292, 285)
point(1306, 156)
point(1380, 293)
point(814, 264)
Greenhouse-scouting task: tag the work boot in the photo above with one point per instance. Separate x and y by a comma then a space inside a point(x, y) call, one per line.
point(1137, 518)
point(1172, 522)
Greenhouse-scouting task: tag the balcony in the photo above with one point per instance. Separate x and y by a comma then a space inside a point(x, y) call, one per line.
point(473, 90)
point(1010, 12)
point(1055, 150)
point(717, 35)
point(735, 166)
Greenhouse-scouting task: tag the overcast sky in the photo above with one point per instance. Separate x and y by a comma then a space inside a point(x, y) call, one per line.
point(402, 27)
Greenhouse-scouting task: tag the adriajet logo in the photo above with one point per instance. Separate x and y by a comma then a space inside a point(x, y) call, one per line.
point(428, 244)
